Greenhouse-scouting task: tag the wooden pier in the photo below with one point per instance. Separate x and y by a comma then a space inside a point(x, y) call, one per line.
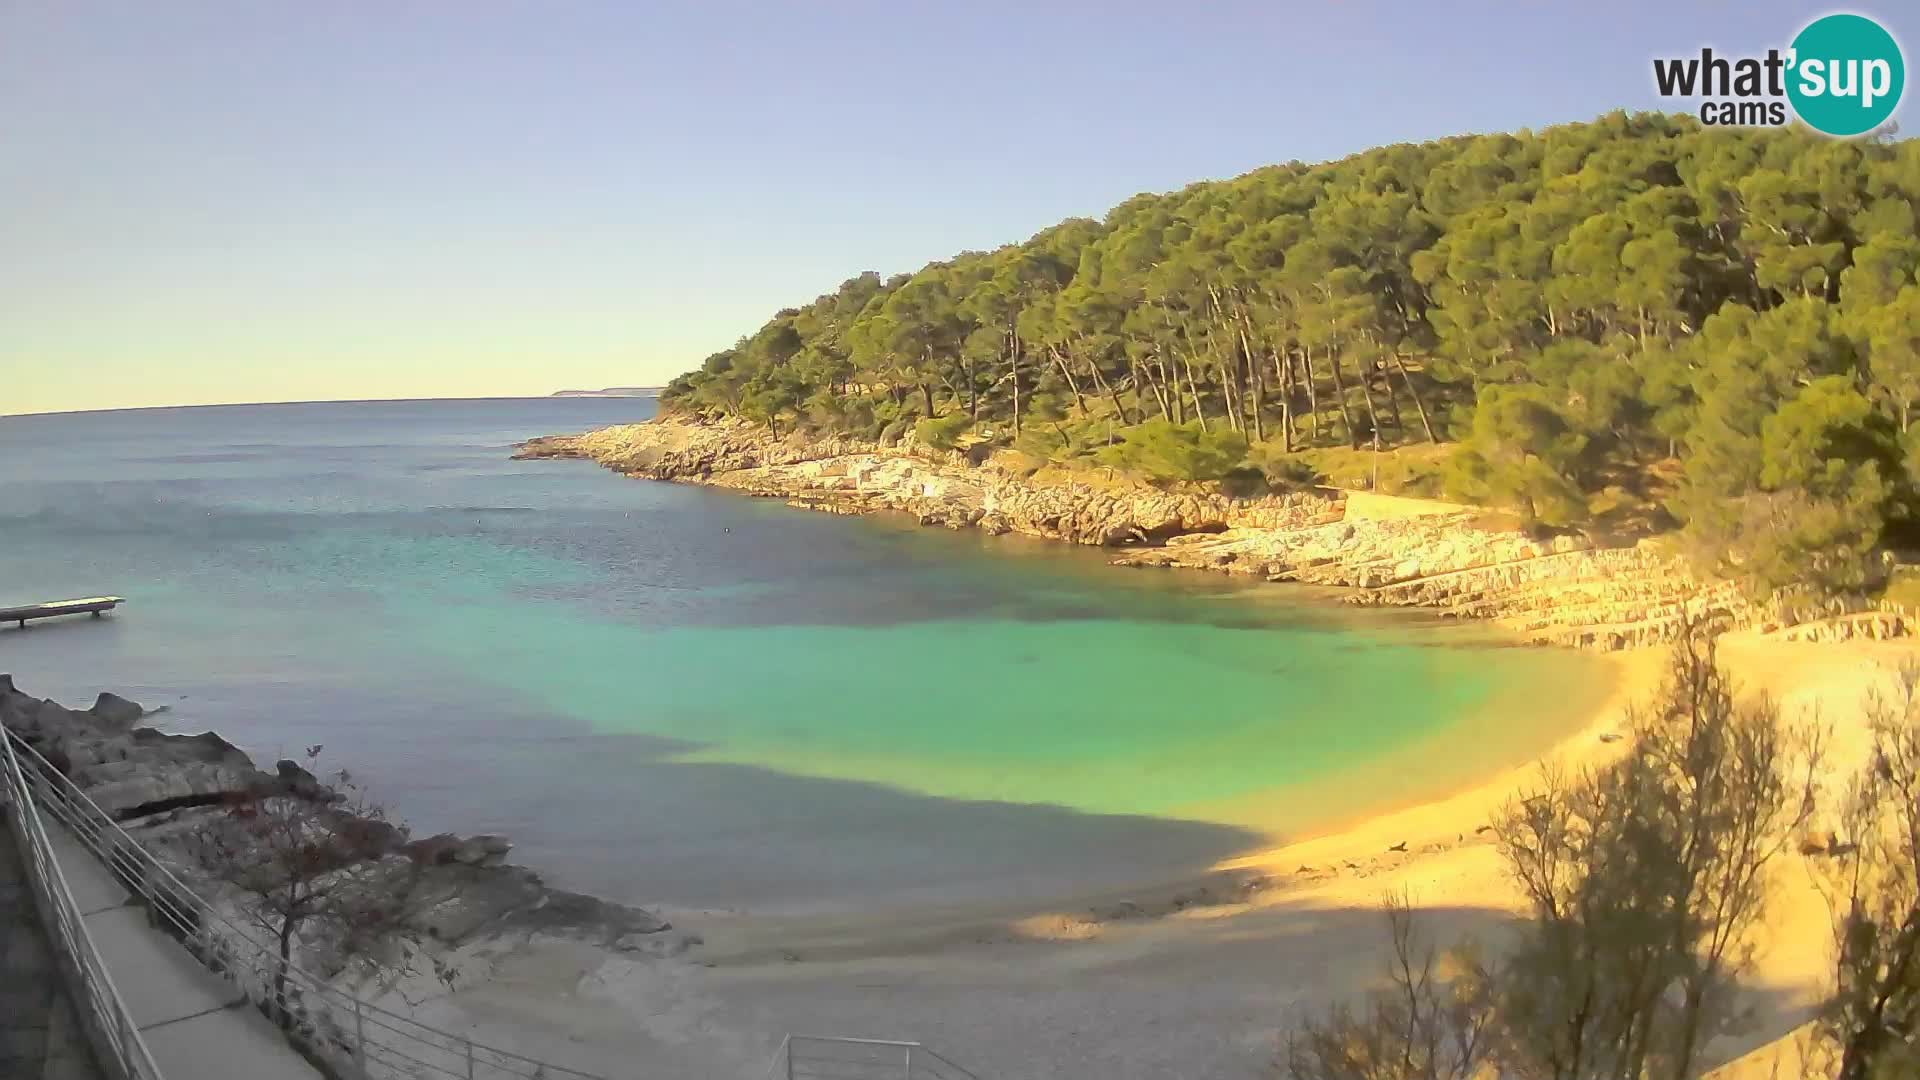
point(90, 605)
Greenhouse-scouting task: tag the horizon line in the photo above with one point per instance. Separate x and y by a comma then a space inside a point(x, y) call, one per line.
point(557, 395)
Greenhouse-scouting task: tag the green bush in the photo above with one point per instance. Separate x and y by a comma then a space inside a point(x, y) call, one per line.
point(1244, 482)
point(885, 421)
point(1407, 470)
point(1522, 454)
point(827, 411)
point(1164, 451)
point(891, 432)
point(1285, 470)
point(1064, 441)
point(942, 431)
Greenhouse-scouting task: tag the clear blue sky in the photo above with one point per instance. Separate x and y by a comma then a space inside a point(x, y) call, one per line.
point(249, 201)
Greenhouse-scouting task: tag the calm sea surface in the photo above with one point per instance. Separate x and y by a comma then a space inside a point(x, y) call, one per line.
point(677, 696)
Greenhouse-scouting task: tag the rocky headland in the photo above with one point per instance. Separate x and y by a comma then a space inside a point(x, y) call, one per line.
point(1382, 550)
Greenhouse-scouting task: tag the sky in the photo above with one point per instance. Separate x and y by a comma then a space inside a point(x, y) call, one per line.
point(269, 201)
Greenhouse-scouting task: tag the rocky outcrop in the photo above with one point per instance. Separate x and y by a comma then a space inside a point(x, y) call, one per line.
point(684, 450)
point(409, 920)
point(116, 710)
point(839, 474)
point(162, 788)
point(1560, 590)
point(1866, 625)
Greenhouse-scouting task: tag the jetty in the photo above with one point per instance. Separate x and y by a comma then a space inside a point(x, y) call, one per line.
point(88, 605)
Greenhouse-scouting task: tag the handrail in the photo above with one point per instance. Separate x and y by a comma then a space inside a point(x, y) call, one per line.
point(360, 1038)
point(117, 1044)
point(837, 1057)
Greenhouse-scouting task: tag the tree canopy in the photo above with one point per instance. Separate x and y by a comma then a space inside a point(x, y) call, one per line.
point(1578, 307)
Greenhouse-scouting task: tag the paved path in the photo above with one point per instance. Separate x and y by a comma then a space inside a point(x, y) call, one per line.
point(40, 1038)
point(196, 1023)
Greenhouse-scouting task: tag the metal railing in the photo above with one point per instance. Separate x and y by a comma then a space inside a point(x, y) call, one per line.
point(352, 1037)
point(826, 1057)
point(115, 1038)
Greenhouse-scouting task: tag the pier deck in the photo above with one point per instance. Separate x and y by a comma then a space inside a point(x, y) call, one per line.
point(90, 605)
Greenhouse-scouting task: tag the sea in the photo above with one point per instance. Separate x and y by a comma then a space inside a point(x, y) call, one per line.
point(687, 698)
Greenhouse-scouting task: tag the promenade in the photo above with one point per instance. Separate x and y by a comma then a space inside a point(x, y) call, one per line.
point(195, 1023)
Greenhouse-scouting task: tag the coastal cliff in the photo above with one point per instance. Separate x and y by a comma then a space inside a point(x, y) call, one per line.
point(1457, 561)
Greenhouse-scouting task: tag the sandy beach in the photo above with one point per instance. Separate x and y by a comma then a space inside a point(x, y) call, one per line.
point(1195, 981)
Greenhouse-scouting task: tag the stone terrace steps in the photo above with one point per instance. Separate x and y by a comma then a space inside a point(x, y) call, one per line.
point(1607, 598)
point(1509, 576)
point(1871, 625)
point(1576, 601)
point(1615, 636)
point(1609, 615)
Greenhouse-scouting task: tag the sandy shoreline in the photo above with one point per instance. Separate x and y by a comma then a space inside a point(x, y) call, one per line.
point(1176, 984)
point(1199, 977)
point(1450, 821)
point(1330, 851)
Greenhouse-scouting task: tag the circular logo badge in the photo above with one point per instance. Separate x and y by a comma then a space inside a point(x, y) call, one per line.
point(1847, 75)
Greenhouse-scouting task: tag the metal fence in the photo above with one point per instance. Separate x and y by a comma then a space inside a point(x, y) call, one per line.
point(351, 1037)
point(822, 1057)
point(117, 1045)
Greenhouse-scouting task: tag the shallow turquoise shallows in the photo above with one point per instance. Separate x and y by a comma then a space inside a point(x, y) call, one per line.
point(680, 696)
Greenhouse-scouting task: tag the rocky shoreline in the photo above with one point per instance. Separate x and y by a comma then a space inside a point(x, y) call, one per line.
point(160, 787)
point(1384, 551)
point(450, 904)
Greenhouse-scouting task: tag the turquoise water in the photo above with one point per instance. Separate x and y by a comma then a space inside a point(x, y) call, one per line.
point(685, 697)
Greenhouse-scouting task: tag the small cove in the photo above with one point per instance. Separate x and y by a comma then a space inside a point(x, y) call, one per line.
point(679, 696)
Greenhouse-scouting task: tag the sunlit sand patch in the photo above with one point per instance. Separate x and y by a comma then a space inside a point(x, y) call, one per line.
point(1057, 927)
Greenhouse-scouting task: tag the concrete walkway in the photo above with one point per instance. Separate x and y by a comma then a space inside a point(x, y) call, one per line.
point(196, 1023)
point(40, 1037)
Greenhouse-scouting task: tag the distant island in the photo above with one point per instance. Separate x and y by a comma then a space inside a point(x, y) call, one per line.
point(612, 391)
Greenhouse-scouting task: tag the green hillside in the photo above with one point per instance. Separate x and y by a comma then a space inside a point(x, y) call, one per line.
point(1635, 317)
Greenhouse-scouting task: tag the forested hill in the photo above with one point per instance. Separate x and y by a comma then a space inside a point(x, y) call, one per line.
point(1720, 328)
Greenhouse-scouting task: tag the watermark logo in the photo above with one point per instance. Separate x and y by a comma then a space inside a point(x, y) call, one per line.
point(1842, 75)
